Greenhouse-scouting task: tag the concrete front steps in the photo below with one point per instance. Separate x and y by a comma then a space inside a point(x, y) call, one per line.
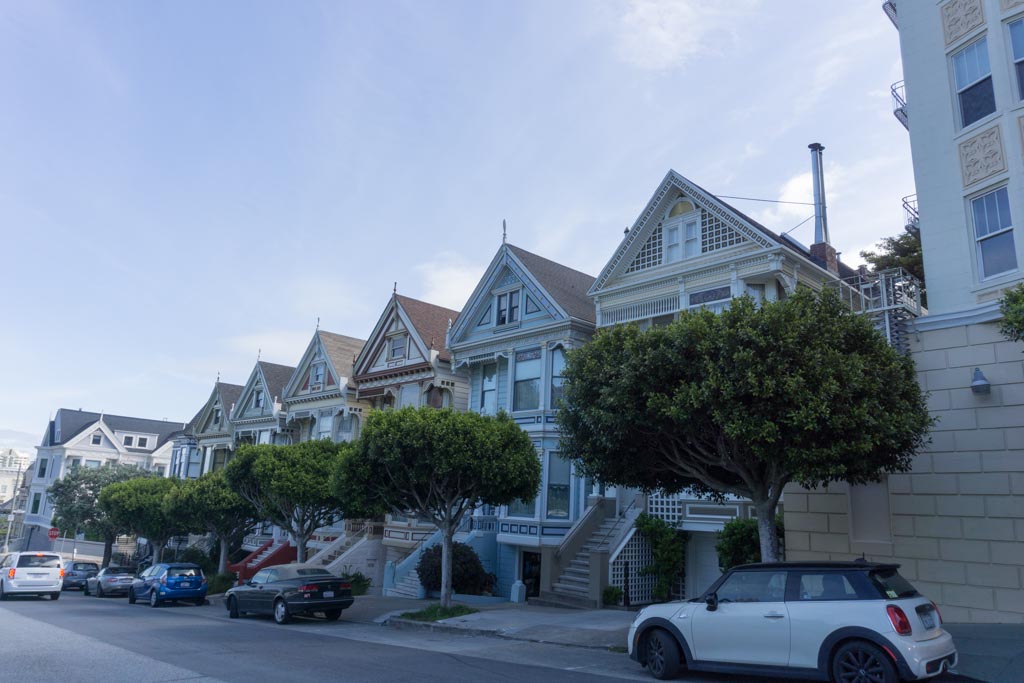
point(572, 589)
point(408, 587)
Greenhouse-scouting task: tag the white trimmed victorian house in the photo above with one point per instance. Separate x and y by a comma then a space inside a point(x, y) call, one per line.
point(688, 249)
point(523, 315)
point(259, 415)
point(213, 431)
point(405, 363)
point(76, 438)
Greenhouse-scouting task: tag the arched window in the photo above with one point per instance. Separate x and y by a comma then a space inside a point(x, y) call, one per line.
point(681, 231)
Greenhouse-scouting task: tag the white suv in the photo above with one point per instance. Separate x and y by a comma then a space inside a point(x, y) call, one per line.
point(849, 622)
point(31, 573)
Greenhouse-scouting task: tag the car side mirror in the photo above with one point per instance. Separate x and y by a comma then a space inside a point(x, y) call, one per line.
point(712, 602)
point(249, 583)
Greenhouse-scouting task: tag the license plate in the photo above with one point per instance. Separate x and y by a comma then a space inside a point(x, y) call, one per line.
point(328, 594)
point(928, 619)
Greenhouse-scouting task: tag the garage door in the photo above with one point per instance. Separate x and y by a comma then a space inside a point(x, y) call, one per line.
point(701, 562)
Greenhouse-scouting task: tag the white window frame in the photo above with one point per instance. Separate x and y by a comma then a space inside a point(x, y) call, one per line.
point(96, 440)
point(1017, 61)
point(715, 305)
point(317, 373)
point(959, 88)
point(508, 312)
point(978, 241)
point(258, 399)
point(128, 440)
point(398, 352)
point(484, 391)
point(142, 442)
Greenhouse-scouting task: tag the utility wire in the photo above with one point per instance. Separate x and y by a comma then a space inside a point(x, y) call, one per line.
point(771, 201)
point(797, 225)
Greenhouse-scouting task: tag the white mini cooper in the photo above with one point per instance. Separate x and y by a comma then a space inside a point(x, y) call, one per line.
point(848, 622)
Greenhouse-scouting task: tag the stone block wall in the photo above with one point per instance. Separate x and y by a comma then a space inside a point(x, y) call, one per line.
point(957, 518)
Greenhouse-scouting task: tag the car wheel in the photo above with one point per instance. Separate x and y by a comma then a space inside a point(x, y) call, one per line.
point(232, 607)
point(662, 654)
point(281, 615)
point(153, 600)
point(85, 589)
point(131, 596)
point(99, 591)
point(3, 596)
point(861, 662)
point(332, 614)
point(55, 596)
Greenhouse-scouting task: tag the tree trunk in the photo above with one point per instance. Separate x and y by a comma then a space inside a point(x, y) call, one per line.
point(158, 551)
point(300, 547)
point(766, 531)
point(446, 564)
point(108, 550)
point(222, 562)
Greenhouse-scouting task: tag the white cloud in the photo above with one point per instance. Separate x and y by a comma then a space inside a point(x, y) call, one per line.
point(447, 280)
point(663, 34)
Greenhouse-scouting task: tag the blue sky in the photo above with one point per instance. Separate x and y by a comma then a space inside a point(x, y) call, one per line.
point(183, 184)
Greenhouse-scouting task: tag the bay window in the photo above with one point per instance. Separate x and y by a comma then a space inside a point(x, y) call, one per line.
point(558, 487)
point(489, 389)
point(557, 378)
point(526, 392)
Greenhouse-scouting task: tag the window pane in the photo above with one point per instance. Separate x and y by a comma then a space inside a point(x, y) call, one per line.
point(1017, 38)
point(527, 395)
point(960, 70)
point(977, 102)
point(753, 587)
point(521, 508)
point(998, 254)
point(826, 586)
point(513, 307)
point(502, 312)
point(558, 487)
point(1020, 78)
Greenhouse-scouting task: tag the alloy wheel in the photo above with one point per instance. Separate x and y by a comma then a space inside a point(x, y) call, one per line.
point(861, 666)
point(655, 655)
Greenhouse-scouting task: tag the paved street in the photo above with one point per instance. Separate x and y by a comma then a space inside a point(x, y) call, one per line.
point(81, 638)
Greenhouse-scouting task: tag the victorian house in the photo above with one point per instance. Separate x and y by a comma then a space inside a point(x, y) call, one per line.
point(213, 434)
point(259, 416)
point(76, 438)
point(523, 316)
point(405, 363)
point(688, 249)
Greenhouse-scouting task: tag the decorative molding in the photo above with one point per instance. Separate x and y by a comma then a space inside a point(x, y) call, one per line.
point(982, 156)
point(1007, 5)
point(960, 17)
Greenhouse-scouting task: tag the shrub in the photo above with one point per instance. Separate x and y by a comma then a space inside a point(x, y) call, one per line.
point(1012, 308)
point(221, 582)
point(739, 542)
point(611, 595)
point(437, 612)
point(668, 545)
point(360, 581)
point(468, 574)
point(196, 556)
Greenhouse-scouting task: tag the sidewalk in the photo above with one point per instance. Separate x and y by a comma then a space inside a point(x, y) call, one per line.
point(990, 652)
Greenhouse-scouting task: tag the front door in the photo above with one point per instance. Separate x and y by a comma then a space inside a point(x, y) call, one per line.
point(531, 573)
point(751, 624)
point(701, 563)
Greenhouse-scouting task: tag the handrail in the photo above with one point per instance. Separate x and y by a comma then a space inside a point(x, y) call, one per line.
point(621, 546)
point(899, 98)
point(889, 7)
point(580, 524)
point(622, 516)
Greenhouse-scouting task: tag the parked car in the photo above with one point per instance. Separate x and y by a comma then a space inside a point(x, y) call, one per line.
point(840, 621)
point(169, 581)
point(110, 581)
point(76, 573)
point(290, 589)
point(31, 573)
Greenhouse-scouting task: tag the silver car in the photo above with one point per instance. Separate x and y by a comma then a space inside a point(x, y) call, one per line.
point(110, 581)
point(76, 573)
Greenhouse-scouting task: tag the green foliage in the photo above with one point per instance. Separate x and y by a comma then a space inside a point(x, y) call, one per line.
point(76, 499)
point(468, 574)
point(289, 485)
point(438, 464)
point(209, 505)
point(360, 582)
point(611, 595)
point(668, 546)
point(743, 402)
point(1012, 308)
point(438, 612)
point(140, 506)
point(738, 542)
point(197, 556)
point(903, 251)
point(221, 582)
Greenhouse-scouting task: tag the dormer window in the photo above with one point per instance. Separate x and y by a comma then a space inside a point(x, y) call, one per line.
point(396, 348)
point(216, 417)
point(508, 308)
point(316, 376)
point(143, 442)
point(257, 398)
point(129, 441)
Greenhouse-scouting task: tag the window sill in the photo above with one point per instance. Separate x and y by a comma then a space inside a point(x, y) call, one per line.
point(996, 281)
point(506, 327)
point(975, 127)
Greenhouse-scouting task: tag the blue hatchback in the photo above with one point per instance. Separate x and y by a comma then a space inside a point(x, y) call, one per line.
point(169, 581)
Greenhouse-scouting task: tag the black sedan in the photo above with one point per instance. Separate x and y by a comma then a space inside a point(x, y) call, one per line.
point(290, 589)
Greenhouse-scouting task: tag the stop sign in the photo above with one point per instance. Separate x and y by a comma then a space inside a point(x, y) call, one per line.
point(53, 533)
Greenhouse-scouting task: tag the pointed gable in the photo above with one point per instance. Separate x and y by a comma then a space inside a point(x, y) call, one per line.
point(216, 412)
point(265, 384)
point(430, 322)
point(405, 334)
point(327, 361)
point(566, 286)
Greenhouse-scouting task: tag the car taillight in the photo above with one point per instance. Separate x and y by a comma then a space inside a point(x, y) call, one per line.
point(346, 586)
point(62, 573)
point(308, 588)
point(163, 580)
point(937, 613)
point(899, 620)
point(10, 573)
point(203, 581)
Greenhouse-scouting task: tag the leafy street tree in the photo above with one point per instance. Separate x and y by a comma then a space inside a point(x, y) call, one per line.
point(1012, 308)
point(289, 486)
point(903, 251)
point(139, 504)
point(744, 402)
point(438, 464)
point(75, 497)
point(211, 506)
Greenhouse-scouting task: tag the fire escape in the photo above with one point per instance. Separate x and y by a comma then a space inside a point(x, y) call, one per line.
point(890, 298)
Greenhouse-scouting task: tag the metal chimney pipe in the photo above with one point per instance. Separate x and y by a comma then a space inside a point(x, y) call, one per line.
point(818, 175)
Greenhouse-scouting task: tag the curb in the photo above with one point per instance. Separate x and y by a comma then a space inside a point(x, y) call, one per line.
point(433, 626)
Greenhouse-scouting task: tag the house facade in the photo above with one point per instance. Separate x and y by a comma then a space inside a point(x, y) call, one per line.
point(213, 432)
point(12, 466)
point(955, 522)
point(76, 438)
point(405, 363)
point(259, 416)
point(523, 316)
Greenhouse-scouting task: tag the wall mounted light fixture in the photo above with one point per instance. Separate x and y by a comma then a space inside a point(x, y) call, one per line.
point(980, 384)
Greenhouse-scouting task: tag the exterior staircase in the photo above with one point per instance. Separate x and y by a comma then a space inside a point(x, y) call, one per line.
point(572, 588)
point(408, 587)
point(271, 553)
point(336, 548)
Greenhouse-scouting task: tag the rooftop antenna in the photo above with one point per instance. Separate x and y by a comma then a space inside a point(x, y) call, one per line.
point(504, 231)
